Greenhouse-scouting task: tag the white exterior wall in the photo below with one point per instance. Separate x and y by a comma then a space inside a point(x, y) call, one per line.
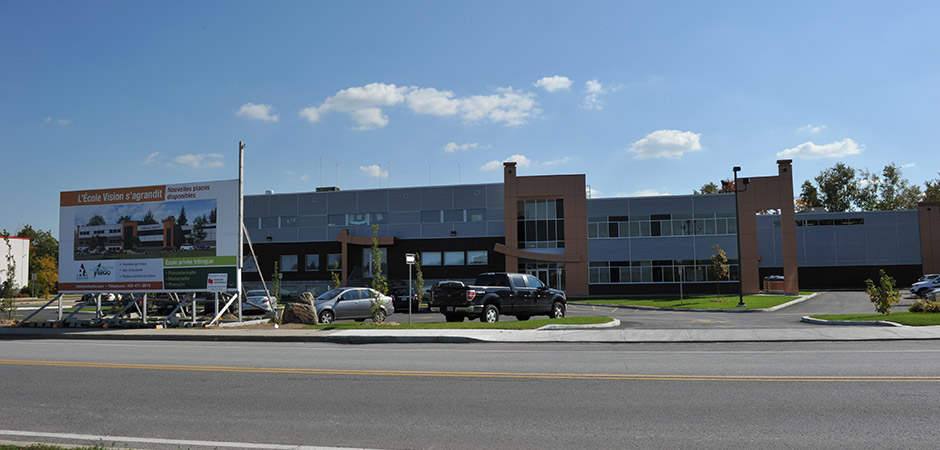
point(20, 250)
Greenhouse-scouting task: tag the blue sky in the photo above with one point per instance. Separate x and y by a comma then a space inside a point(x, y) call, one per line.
point(642, 97)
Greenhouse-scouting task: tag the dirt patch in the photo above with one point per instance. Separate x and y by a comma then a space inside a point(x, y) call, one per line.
point(6, 323)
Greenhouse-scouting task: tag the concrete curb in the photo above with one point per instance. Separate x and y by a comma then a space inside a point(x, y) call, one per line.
point(883, 323)
point(612, 324)
point(656, 308)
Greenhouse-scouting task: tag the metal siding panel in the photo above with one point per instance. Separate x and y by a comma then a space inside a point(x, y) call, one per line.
point(608, 207)
point(314, 234)
point(436, 230)
point(341, 202)
point(311, 204)
point(495, 196)
point(609, 250)
point(464, 197)
point(405, 231)
point(909, 253)
point(496, 229)
point(713, 203)
point(284, 205)
point(404, 200)
point(399, 218)
point(471, 229)
point(437, 198)
point(820, 255)
point(257, 206)
point(850, 255)
point(373, 201)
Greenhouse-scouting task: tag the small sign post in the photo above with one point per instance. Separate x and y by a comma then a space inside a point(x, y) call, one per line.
point(410, 260)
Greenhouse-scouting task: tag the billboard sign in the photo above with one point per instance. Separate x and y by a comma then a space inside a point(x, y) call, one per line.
point(171, 237)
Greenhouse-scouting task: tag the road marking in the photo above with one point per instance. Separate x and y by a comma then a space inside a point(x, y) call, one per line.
point(516, 375)
point(177, 442)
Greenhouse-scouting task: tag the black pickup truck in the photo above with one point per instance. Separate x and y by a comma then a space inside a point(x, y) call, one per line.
point(496, 293)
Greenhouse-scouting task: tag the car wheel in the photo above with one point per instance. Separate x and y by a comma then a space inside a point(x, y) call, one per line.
point(522, 317)
point(558, 311)
point(326, 317)
point(453, 317)
point(922, 292)
point(490, 314)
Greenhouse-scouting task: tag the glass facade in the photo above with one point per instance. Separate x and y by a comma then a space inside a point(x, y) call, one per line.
point(656, 225)
point(541, 223)
point(665, 271)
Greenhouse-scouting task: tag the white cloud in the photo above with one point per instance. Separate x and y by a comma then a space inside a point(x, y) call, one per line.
point(591, 192)
point(908, 165)
point(594, 89)
point(810, 150)
point(374, 171)
point(645, 193)
point(364, 104)
point(666, 144)
point(200, 160)
point(555, 83)
point(520, 160)
point(47, 120)
point(155, 157)
point(811, 129)
point(62, 122)
point(556, 162)
point(260, 112)
point(453, 146)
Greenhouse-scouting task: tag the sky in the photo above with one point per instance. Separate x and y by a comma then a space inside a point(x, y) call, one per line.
point(644, 98)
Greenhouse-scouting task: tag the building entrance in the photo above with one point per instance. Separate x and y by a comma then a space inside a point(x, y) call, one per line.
point(552, 274)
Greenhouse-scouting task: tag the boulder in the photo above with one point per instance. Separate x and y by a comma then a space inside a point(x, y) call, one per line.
point(299, 313)
point(306, 298)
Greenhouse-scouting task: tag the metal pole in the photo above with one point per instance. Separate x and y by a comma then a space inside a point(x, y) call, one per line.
point(737, 215)
point(60, 308)
point(144, 304)
point(241, 221)
point(410, 295)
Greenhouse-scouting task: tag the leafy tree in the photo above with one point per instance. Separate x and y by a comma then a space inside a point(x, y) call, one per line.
point(719, 267)
point(837, 187)
point(866, 190)
point(41, 243)
point(213, 215)
point(419, 277)
point(809, 198)
point(379, 282)
point(335, 281)
point(8, 290)
point(148, 219)
point(276, 282)
point(96, 220)
point(710, 188)
point(932, 190)
point(883, 294)
point(170, 219)
point(47, 275)
point(123, 219)
point(896, 192)
point(181, 220)
point(199, 228)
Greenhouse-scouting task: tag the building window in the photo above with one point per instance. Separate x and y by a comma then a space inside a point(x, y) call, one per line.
point(334, 261)
point(430, 258)
point(269, 222)
point(288, 221)
point(431, 216)
point(288, 263)
point(378, 218)
point(336, 220)
point(477, 258)
point(454, 259)
point(367, 261)
point(453, 215)
point(358, 219)
point(476, 215)
point(540, 223)
point(312, 263)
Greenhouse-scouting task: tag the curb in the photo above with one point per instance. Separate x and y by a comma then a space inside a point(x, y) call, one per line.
point(656, 308)
point(612, 324)
point(882, 323)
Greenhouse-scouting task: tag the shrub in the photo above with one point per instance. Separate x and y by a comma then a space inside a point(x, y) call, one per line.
point(883, 294)
point(926, 306)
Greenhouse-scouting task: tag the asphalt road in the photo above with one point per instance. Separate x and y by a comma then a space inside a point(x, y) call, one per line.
point(172, 395)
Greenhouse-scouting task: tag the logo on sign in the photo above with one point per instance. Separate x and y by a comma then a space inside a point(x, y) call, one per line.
point(102, 271)
point(82, 273)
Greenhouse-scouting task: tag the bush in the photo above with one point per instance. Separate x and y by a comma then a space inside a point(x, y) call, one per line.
point(926, 306)
point(883, 294)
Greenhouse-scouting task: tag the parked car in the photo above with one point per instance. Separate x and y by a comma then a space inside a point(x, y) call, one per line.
point(258, 301)
point(496, 293)
point(399, 291)
point(924, 288)
point(351, 303)
point(187, 247)
point(929, 276)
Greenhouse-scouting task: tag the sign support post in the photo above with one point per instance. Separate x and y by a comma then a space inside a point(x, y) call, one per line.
point(410, 260)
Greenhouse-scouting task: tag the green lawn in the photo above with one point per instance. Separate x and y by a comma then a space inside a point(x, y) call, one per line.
point(697, 302)
point(466, 325)
point(918, 319)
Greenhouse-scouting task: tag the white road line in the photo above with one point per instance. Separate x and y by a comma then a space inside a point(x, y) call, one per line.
point(178, 442)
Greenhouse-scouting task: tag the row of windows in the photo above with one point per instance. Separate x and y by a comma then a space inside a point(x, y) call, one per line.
point(455, 258)
point(652, 228)
point(827, 222)
point(543, 233)
point(374, 218)
point(312, 263)
point(540, 209)
point(334, 261)
point(600, 272)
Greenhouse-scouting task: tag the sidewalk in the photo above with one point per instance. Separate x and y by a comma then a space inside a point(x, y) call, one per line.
point(591, 335)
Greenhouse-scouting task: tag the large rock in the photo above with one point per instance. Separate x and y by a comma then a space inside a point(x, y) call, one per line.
point(300, 313)
point(306, 298)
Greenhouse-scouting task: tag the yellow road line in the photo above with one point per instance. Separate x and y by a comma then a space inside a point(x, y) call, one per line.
point(421, 373)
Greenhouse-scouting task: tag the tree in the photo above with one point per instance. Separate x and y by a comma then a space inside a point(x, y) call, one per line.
point(170, 219)
point(419, 277)
point(836, 187)
point(276, 282)
point(213, 215)
point(148, 219)
point(710, 188)
point(96, 220)
point(379, 282)
point(883, 294)
point(932, 190)
point(199, 229)
point(809, 197)
point(8, 290)
point(41, 244)
point(181, 220)
point(335, 281)
point(47, 275)
point(896, 192)
point(123, 219)
point(719, 267)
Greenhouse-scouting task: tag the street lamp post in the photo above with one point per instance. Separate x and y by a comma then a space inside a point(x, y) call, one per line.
point(737, 218)
point(410, 260)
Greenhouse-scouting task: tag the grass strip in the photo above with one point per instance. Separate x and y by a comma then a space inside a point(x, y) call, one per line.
point(696, 302)
point(470, 325)
point(918, 319)
point(47, 447)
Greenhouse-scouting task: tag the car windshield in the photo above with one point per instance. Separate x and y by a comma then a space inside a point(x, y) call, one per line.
point(330, 294)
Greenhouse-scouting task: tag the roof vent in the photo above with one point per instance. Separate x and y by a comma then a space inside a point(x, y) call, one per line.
point(269, 192)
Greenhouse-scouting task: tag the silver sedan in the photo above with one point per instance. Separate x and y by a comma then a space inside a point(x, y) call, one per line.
point(351, 303)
